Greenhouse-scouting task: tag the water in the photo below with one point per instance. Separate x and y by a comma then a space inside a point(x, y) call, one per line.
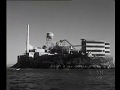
point(51, 79)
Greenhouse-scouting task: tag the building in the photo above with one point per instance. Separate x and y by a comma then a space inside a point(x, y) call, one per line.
point(107, 48)
point(95, 48)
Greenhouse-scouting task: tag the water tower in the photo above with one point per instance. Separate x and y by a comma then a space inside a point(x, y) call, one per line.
point(49, 39)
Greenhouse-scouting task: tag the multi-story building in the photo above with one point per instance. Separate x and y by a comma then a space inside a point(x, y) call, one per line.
point(95, 48)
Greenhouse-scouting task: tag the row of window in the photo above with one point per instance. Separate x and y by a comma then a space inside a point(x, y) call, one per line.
point(100, 42)
point(98, 51)
point(95, 42)
point(98, 47)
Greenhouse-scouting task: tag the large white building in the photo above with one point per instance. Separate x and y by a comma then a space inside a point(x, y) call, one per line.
point(95, 48)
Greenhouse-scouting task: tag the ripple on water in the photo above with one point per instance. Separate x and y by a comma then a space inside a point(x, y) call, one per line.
point(60, 80)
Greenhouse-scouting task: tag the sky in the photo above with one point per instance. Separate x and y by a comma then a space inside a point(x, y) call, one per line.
point(71, 20)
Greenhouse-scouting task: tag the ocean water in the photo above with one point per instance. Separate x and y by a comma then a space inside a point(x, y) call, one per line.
point(57, 79)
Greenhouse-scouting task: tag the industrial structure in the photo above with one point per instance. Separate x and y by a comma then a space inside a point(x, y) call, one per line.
point(92, 48)
point(88, 49)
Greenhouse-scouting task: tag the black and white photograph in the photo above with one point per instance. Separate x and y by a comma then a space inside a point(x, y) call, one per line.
point(60, 44)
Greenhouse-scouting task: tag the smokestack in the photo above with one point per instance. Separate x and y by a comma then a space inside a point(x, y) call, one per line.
point(27, 42)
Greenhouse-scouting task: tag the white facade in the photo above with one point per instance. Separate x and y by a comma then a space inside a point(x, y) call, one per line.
point(107, 48)
point(40, 50)
point(31, 54)
point(95, 44)
point(96, 48)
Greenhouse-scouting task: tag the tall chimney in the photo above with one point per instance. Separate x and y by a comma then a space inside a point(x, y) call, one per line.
point(27, 42)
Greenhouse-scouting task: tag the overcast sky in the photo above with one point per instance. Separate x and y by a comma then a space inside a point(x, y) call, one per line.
point(71, 20)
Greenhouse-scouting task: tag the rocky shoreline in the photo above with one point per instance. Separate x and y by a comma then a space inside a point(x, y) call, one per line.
point(74, 61)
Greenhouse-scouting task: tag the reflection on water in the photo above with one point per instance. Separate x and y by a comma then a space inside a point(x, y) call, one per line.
point(50, 79)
